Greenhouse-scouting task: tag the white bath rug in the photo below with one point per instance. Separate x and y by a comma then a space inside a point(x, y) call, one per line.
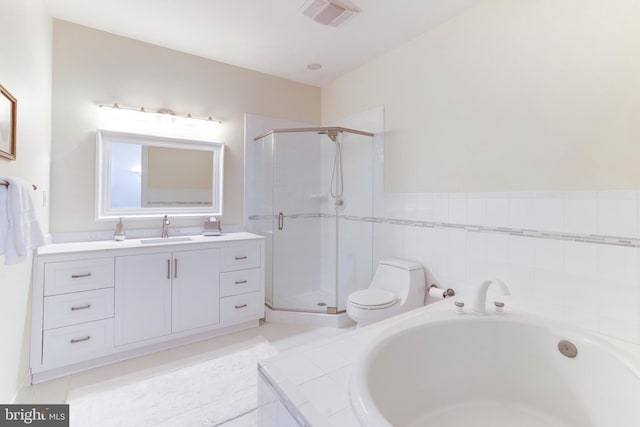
point(207, 392)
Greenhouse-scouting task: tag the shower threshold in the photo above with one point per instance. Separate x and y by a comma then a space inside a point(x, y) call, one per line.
point(304, 317)
point(324, 310)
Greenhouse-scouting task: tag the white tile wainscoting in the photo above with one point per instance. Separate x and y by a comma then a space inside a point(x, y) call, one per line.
point(573, 256)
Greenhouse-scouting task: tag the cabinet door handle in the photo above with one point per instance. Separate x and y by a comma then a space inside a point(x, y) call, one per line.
point(240, 282)
point(280, 221)
point(175, 268)
point(240, 257)
point(241, 305)
point(168, 269)
point(78, 276)
point(77, 340)
point(82, 307)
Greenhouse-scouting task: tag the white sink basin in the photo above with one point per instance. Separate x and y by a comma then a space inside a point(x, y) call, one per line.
point(166, 240)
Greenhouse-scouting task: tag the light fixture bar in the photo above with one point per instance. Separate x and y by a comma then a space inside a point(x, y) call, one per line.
point(161, 112)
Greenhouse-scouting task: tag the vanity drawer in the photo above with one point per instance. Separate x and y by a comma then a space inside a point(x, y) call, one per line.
point(241, 308)
point(240, 257)
point(82, 275)
point(239, 282)
point(70, 344)
point(77, 307)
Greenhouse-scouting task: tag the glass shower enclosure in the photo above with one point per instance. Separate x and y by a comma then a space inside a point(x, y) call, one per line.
point(313, 201)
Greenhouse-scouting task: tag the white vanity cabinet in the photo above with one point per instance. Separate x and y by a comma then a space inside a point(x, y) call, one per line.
point(76, 319)
point(100, 302)
point(196, 289)
point(142, 297)
point(240, 283)
point(164, 293)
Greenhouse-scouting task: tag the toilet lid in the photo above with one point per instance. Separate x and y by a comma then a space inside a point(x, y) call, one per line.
point(373, 299)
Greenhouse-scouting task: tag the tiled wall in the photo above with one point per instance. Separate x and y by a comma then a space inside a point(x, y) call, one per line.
point(571, 255)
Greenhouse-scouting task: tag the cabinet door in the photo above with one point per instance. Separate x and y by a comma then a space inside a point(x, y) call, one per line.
point(196, 289)
point(142, 297)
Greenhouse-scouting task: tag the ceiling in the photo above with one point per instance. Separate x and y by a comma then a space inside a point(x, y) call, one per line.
point(270, 36)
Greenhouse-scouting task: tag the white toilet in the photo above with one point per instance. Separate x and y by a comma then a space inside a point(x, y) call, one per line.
point(397, 286)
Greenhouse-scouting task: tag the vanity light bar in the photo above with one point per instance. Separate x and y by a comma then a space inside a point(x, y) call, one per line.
point(163, 114)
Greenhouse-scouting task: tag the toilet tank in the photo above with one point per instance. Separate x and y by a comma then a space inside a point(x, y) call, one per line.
point(400, 277)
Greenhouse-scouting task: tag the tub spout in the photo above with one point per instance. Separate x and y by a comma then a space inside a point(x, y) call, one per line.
point(478, 294)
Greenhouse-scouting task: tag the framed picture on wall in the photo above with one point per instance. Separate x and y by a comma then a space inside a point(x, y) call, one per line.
point(8, 111)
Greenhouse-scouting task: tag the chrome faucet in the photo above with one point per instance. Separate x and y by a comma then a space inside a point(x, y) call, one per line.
point(478, 294)
point(165, 226)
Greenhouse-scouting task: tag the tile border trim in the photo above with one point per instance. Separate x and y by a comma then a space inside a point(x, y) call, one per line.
point(631, 242)
point(508, 231)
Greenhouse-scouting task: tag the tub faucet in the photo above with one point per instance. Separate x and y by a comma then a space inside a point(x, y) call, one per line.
point(478, 294)
point(165, 227)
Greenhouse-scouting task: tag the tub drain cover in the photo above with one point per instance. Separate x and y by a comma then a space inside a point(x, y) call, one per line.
point(568, 349)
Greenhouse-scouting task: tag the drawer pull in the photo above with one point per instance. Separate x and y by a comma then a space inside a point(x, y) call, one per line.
point(82, 307)
point(241, 257)
point(78, 276)
point(77, 340)
point(241, 305)
point(240, 282)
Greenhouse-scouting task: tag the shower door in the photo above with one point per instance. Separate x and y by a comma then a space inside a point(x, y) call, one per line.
point(313, 201)
point(354, 248)
point(304, 234)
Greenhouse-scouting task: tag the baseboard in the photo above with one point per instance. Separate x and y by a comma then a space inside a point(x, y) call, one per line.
point(143, 350)
point(26, 382)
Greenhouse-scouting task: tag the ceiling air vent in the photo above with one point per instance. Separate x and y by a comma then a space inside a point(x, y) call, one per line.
point(327, 12)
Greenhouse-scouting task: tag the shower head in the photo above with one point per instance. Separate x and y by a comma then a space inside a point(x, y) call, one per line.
point(331, 133)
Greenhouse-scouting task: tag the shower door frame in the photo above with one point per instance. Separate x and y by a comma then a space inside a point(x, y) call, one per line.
point(331, 131)
point(322, 130)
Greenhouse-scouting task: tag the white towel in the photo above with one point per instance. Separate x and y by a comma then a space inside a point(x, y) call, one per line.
point(23, 233)
point(4, 218)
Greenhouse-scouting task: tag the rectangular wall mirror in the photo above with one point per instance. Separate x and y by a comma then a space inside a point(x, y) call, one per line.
point(148, 176)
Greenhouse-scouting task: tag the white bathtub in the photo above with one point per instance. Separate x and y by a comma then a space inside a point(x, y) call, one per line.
point(495, 371)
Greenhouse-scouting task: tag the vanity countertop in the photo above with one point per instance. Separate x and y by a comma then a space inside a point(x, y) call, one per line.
point(102, 245)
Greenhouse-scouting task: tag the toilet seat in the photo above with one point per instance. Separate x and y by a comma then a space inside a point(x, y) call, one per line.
point(373, 299)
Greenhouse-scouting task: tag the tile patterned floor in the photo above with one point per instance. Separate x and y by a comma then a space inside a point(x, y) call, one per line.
point(281, 336)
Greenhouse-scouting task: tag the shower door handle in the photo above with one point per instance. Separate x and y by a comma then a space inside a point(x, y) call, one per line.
point(280, 221)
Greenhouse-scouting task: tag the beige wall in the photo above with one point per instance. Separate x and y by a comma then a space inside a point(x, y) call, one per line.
point(92, 67)
point(25, 71)
point(511, 95)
